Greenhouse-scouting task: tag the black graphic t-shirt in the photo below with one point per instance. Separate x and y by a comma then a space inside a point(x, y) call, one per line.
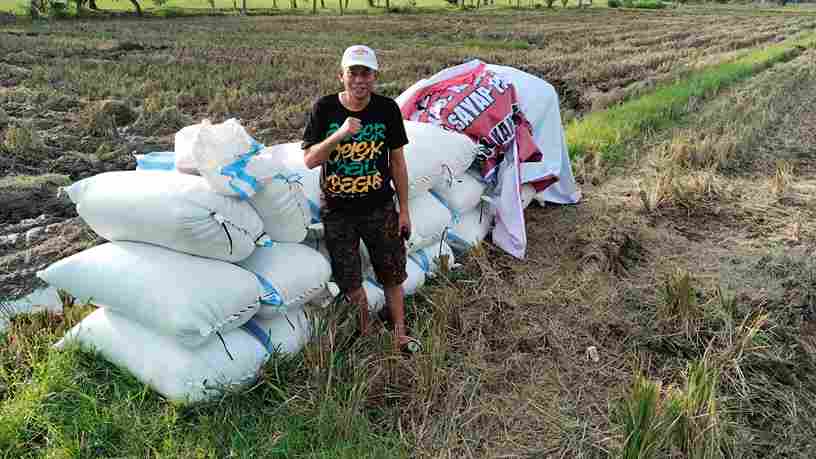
point(357, 175)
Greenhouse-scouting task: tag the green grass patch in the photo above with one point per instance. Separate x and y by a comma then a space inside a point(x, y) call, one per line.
point(602, 133)
point(28, 182)
point(75, 404)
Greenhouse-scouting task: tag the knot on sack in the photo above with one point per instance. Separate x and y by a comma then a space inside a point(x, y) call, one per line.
point(289, 179)
point(218, 217)
point(221, 220)
point(272, 297)
point(451, 177)
point(265, 241)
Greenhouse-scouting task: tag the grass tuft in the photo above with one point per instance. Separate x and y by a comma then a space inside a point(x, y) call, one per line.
point(102, 118)
point(780, 181)
point(642, 420)
point(23, 142)
point(164, 122)
point(697, 429)
point(679, 301)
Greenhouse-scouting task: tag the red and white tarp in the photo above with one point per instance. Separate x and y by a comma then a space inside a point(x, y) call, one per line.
point(516, 118)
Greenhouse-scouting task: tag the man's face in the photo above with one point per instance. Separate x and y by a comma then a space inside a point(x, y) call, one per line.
point(358, 81)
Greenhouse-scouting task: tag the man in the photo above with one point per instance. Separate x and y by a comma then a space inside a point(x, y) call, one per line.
point(357, 136)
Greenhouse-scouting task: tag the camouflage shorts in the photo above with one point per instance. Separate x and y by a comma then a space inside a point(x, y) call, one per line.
point(379, 230)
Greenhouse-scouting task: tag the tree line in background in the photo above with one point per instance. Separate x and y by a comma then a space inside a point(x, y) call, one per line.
point(62, 8)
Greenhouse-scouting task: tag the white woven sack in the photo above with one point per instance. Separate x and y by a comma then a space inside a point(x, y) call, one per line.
point(279, 200)
point(528, 193)
point(428, 258)
point(177, 295)
point(434, 155)
point(429, 220)
point(374, 295)
point(177, 211)
point(175, 371)
point(309, 179)
point(415, 280)
point(295, 273)
point(222, 155)
point(183, 145)
point(462, 195)
point(285, 333)
point(471, 229)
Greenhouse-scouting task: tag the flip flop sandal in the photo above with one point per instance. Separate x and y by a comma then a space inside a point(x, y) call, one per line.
point(413, 346)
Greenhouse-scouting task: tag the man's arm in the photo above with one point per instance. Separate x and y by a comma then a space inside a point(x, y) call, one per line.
point(399, 173)
point(318, 153)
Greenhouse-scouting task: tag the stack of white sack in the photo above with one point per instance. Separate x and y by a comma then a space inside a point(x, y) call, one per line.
point(194, 295)
point(191, 327)
point(173, 320)
point(473, 213)
point(189, 374)
point(206, 275)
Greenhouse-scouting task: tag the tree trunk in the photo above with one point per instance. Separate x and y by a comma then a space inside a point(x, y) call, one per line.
point(243, 7)
point(137, 6)
point(323, 4)
point(314, 6)
point(387, 4)
point(341, 7)
point(92, 5)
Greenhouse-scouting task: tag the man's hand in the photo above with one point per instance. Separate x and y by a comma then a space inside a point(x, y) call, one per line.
point(350, 127)
point(404, 224)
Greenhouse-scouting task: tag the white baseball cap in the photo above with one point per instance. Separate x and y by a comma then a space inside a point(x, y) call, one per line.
point(359, 55)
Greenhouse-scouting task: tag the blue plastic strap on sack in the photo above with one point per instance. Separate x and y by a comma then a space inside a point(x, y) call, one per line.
point(374, 282)
point(453, 213)
point(237, 173)
point(156, 161)
point(258, 333)
point(458, 240)
point(423, 261)
point(271, 295)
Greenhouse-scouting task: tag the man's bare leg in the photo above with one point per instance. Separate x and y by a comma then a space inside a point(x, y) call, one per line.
point(395, 302)
point(358, 297)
